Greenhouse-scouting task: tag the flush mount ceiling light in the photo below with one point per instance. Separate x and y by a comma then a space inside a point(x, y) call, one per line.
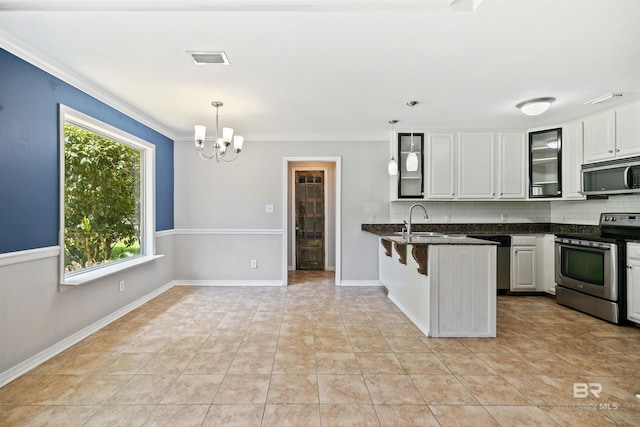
point(393, 164)
point(536, 106)
point(603, 98)
point(221, 144)
point(204, 58)
point(412, 157)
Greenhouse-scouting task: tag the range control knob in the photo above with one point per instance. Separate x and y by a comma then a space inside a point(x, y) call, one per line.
point(613, 218)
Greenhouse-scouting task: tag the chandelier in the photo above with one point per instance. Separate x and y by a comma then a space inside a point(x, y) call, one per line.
point(221, 144)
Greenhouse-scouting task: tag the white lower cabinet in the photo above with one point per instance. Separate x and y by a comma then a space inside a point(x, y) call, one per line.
point(523, 263)
point(633, 282)
point(545, 263)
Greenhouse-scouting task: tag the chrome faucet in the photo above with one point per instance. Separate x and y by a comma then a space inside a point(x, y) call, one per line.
point(426, 215)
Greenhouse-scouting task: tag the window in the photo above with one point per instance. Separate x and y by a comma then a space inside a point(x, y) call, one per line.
point(106, 198)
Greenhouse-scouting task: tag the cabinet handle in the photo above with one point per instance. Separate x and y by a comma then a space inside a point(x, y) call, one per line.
point(611, 151)
point(617, 150)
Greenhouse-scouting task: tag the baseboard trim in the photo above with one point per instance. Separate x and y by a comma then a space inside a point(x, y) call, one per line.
point(375, 283)
point(229, 283)
point(36, 360)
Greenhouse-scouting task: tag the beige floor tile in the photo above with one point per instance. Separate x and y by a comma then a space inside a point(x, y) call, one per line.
point(337, 363)
point(252, 363)
point(379, 363)
point(393, 390)
point(343, 389)
point(627, 417)
point(291, 415)
point(143, 390)
point(370, 344)
point(177, 416)
point(93, 390)
point(167, 364)
point(258, 344)
point(422, 364)
point(124, 363)
point(193, 389)
point(577, 416)
point(520, 416)
point(206, 363)
point(243, 389)
point(222, 343)
point(120, 415)
point(465, 364)
point(493, 390)
point(332, 344)
point(463, 416)
point(295, 344)
point(446, 345)
point(234, 416)
point(443, 390)
point(406, 416)
point(63, 416)
point(348, 416)
point(18, 415)
point(293, 389)
point(294, 363)
point(407, 344)
point(39, 389)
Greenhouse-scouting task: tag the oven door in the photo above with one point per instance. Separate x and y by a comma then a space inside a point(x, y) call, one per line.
point(585, 268)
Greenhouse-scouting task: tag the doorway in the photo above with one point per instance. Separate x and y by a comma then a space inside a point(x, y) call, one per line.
point(309, 187)
point(312, 231)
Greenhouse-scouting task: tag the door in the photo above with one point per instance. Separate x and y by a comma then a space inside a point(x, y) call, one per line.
point(600, 137)
point(309, 202)
point(523, 268)
point(441, 166)
point(511, 165)
point(476, 166)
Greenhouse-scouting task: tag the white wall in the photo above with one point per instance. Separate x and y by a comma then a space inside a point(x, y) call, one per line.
point(36, 316)
point(220, 199)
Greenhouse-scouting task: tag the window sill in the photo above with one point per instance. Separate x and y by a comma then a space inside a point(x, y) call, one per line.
point(99, 273)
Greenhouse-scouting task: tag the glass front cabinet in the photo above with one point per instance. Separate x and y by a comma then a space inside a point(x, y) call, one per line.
point(410, 179)
point(545, 163)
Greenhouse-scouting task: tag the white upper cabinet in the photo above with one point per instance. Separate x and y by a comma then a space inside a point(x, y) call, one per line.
point(476, 165)
point(441, 166)
point(628, 130)
point(512, 161)
point(600, 137)
point(612, 134)
point(572, 161)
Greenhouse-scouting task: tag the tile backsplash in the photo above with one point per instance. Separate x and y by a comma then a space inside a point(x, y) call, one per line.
point(585, 212)
point(588, 211)
point(473, 212)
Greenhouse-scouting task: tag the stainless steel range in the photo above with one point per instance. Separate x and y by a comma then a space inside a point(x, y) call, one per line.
point(590, 269)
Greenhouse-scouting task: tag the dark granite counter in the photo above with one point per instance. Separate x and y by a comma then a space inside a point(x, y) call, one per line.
point(485, 228)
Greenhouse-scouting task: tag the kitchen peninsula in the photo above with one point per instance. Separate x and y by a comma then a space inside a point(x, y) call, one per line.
point(445, 284)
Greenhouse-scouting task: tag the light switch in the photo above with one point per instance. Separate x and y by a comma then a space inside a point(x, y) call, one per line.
point(268, 209)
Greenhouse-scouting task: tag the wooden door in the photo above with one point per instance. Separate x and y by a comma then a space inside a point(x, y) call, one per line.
point(309, 220)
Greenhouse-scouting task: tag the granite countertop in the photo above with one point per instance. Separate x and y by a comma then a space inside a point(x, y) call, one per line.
point(454, 239)
point(484, 228)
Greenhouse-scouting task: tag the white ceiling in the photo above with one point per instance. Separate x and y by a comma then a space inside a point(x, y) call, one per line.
point(340, 69)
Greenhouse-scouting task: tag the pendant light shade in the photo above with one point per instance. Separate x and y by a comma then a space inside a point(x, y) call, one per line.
point(392, 167)
point(412, 162)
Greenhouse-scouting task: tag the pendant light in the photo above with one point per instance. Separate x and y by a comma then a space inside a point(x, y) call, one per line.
point(412, 158)
point(393, 164)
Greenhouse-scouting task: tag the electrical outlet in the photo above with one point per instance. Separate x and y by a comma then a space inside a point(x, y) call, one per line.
point(254, 263)
point(121, 285)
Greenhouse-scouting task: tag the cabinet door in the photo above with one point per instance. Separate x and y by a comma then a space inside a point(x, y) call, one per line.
point(512, 158)
point(628, 130)
point(545, 168)
point(410, 182)
point(599, 137)
point(476, 165)
point(523, 262)
point(633, 282)
point(572, 161)
point(441, 166)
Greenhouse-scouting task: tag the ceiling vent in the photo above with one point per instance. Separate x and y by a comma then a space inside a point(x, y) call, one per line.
point(604, 98)
point(204, 58)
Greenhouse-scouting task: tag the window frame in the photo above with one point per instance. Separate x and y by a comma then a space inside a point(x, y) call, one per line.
point(147, 196)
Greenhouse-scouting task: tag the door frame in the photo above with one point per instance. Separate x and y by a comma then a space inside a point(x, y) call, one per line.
point(292, 227)
point(289, 228)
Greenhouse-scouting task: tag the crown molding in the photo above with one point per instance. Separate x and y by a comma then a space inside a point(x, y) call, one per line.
point(41, 61)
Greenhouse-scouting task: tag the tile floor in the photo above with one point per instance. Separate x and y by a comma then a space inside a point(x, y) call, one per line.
point(312, 354)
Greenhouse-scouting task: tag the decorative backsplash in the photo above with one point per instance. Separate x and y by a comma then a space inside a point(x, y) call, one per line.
point(474, 212)
point(588, 211)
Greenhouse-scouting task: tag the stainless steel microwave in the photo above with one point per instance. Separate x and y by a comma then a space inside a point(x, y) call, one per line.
point(612, 177)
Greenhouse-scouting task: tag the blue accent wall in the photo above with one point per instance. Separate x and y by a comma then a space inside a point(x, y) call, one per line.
point(29, 99)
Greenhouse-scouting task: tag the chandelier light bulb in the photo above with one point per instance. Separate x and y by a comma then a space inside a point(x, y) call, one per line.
point(412, 162)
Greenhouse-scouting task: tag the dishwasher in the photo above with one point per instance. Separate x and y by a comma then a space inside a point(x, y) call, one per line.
point(503, 259)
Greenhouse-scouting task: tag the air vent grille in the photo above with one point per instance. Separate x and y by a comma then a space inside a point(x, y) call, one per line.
point(203, 58)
